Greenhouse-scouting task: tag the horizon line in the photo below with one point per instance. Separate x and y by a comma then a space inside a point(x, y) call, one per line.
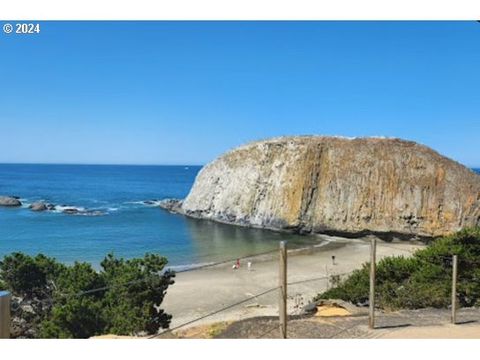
point(476, 167)
point(94, 164)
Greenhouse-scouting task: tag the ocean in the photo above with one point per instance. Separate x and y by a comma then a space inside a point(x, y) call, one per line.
point(112, 216)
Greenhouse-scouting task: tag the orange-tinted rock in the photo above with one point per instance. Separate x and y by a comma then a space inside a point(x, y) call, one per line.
point(319, 184)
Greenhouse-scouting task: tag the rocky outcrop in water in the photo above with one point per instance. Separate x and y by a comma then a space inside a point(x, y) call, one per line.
point(41, 206)
point(334, 185)
point(72, 210)
point(172, 205)
point(10, 201)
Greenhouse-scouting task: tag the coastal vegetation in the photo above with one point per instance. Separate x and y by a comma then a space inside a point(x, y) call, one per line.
point(421, 280)
point(54, 300)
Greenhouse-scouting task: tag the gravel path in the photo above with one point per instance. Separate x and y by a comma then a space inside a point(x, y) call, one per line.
point(406, 323)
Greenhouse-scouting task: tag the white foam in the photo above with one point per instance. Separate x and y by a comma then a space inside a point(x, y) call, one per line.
point(25, 203)
point(153, 203)
point(91, 213)
point(62, 208)
point(189, 266)
point(149, 203)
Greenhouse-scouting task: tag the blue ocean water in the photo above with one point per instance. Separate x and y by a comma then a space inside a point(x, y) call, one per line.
point(129, 228)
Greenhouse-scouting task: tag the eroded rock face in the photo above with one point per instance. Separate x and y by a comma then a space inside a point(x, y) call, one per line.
point(336, 185)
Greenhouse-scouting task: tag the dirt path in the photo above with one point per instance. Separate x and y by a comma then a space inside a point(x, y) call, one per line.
point(407, 324)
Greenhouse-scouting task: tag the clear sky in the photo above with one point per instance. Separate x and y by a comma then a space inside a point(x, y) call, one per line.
point(185, 92)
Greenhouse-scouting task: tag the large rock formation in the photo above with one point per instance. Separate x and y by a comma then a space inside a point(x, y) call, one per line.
point(346, 186)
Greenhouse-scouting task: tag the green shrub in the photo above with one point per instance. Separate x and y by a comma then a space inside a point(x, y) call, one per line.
point(422, 280)
point(55, 301)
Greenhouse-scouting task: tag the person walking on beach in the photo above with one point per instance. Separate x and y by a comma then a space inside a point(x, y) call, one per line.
point(236, 265)
point(249, 265)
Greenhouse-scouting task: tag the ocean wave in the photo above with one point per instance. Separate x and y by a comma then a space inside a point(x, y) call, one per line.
point(64, 209)
point(149, 203)
point(109, 207)
point(135, 202)
point(25, 203)
point(91, 213)
point(68, 208)
point(152, 203)
point(193, 266)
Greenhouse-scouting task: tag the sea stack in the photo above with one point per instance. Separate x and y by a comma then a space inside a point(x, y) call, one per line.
point(334, 185)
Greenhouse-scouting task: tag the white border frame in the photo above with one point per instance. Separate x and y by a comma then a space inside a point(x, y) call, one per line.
point(239, 10)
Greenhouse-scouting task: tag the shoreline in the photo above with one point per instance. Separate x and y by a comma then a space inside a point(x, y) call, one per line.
point(174, 206)
point(197, 293)
point(268, 255)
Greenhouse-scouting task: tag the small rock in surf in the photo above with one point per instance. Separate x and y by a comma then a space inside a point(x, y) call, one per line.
point(10, 201)
point(38, 206)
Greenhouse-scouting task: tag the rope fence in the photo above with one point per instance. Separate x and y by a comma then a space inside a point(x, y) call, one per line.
point(168, 270)
point(215, 312)
point(447, 264)
point(190, 269)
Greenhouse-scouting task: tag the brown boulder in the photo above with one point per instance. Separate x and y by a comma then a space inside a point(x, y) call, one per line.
point(10, 201)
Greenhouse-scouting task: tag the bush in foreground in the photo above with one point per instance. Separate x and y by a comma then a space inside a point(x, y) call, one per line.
point(422, 280)
point(53, 300)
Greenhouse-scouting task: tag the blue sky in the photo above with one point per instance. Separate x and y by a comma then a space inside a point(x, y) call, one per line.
point(185, 92)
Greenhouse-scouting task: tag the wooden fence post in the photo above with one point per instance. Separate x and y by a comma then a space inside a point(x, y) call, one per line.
point(5, 298)
point(371, 300)
point(283, 289)
point(328, 277)
point(454, 289)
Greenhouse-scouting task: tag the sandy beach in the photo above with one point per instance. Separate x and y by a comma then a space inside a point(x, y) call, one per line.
point(198, 293)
